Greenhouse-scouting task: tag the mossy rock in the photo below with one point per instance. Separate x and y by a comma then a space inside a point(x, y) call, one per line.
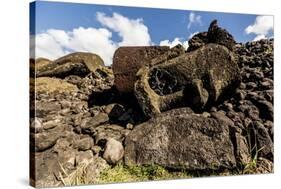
point(78, 63)
point(50, 85)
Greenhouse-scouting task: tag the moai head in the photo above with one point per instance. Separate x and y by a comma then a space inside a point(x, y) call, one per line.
point(197, 79)
point(78, 63)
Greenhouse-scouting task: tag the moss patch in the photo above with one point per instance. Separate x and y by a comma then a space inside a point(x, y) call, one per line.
point(49, 85)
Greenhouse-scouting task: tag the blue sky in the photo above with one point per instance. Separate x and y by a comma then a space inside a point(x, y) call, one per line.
point(153, 26)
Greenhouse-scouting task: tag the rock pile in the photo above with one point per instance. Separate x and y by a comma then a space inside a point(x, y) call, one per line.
point(207, 108)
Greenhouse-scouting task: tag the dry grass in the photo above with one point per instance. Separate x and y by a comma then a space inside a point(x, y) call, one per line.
point(49, 85)
point(121, 173)
point(77, 177)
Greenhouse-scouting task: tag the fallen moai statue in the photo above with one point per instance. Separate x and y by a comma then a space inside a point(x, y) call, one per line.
point(163, 78)
point(196, 79)
point(79, 63)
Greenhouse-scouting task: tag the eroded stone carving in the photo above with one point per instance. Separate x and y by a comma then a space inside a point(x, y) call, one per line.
point(128, 60)
point(79, 63)
point(197, 79)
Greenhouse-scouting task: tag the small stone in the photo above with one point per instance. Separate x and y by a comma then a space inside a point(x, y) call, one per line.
point(44, 108)
point(261, 140)
point(67, 157)
point(51, 124)
point(264, 166)
point(96, 149)
point(241, 94)
point(62, 144)
point(251, 85)
point(48, 139)
point(267, 84)
point(65, 104)
point(65, 111)
point(109, 131)
point(114, 151)
point(266, 109)
point(213, 109)
point(253, 113)
point(129, 126)
point(228, 106)
point(247, 121)
point(206, 114)
point(242, 85)
point(268, 124)
point(89, 124)
point(126, 116)
point(93, 170)
point(36, 125)
point(115, 111)
point(85, 143)
point(84, 157)
point(243, 155)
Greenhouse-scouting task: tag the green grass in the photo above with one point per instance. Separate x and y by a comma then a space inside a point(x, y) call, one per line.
point(123, 173)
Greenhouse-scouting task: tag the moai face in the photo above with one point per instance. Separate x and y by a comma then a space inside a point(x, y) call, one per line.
point(197, 79)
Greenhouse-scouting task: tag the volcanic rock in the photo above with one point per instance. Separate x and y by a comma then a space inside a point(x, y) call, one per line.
point(215, 34)
point(197, 84)
point(180, 140)
point(114, 151)
point(125, 66)
point(79, 63)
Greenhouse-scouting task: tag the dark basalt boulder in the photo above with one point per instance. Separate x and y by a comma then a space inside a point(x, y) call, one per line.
point(215, 34)
point(179, 139)
point(197, 79)
point(197, 41)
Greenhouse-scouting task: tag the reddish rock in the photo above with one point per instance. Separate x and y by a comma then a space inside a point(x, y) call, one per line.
point(128, 60)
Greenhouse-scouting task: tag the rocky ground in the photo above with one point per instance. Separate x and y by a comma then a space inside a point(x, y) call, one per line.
point(85, 129)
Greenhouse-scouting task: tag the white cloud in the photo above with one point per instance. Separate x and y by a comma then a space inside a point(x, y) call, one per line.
point(261, 28)
point(192, 34)
point(47, 46)
point(132, 31)
point(194, 19)
point(259, 37)
point(173, 43)
point(177, 41)
point(55, 43)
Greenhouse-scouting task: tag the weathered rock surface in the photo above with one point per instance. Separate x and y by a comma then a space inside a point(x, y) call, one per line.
point(193, 79)
point(79, 63)
point(49, 85)
point(197, 41)
point(114, 151)
point(178, 139)
point(215, 34)
point(125, 66)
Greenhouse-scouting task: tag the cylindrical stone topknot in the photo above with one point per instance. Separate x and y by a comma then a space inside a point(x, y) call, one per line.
point(128, 60)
